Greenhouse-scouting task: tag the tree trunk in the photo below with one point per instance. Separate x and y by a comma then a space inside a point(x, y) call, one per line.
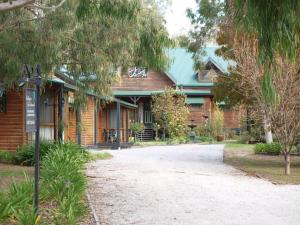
point(267, 130)
point(287, 159)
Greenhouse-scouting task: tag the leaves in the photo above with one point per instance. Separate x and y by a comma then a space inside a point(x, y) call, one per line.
point(171, 112)
point(89, 39)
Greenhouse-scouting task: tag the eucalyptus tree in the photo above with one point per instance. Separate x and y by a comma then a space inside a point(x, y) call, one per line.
point(275, 22)
point(88, 39)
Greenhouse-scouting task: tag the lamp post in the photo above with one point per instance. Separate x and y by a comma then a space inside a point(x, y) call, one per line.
point(33, 77)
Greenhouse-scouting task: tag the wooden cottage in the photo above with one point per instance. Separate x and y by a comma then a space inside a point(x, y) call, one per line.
point(138, 85)
point(60, 120)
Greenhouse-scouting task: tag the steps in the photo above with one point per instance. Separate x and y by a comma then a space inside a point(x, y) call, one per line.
point(146, 135)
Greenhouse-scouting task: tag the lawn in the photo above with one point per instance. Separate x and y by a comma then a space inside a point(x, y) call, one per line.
point(149, 143)
point(271, 168)
point(10, 173)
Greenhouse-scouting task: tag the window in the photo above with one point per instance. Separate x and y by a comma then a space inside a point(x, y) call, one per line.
point(3, 99)
point(46, 108)
point(148, 117)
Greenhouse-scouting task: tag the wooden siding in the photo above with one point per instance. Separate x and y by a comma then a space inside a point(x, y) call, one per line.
point(12, 122)
point(199, 112)
point(154, 81)
point(88, 123)
point(232, 118)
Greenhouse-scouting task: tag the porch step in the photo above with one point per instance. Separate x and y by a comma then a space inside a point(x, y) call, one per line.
point(146, 135)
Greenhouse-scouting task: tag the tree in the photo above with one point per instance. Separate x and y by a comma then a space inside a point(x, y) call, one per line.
point(220, 25)
point(275, 91)
point(12, 5)
point(274, 22)
point(170, 112)
point(205, 22)
point(87, 39)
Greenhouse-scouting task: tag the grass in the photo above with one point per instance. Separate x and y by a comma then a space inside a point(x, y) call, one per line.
point(242, 157)
point(150, 143)
point(10, 173)
point(100, 156)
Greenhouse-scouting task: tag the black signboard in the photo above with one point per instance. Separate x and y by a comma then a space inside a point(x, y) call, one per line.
point(30, 110)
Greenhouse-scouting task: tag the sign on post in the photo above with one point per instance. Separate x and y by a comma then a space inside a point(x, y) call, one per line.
point(30, 110)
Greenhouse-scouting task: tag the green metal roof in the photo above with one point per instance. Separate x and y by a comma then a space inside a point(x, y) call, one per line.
point(195, 101)
point(149, 93)
point(181, 69)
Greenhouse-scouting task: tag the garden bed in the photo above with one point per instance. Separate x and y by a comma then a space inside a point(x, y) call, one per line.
point(10, 173)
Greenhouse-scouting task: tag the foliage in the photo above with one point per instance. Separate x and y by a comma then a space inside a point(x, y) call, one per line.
point(205, 138)
point(244, 138)
point(204, 20)
point(217, 122)
point(101, 156)
point(170, 112)
point(136, 127)
point(62, 183)
point(270, 149)
point(19, 197)
point(25, 154)
point(274, 22)
point(7, 156)
point(88, 40)
point(156, 128)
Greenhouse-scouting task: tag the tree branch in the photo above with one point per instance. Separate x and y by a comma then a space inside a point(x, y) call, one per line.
point(53, 8)
point(6, 6)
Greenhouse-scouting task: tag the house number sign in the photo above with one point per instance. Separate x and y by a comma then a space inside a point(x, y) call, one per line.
point(30, 110)
point(135, 72)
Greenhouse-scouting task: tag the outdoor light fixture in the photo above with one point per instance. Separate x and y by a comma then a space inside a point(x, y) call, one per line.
point(32, 117)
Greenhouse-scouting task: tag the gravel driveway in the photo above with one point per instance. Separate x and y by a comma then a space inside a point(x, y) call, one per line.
point(186, 185)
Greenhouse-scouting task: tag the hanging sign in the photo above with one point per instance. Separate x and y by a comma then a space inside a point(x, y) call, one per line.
point(30, 110)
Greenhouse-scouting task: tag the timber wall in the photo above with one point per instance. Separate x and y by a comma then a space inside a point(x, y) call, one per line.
point(88, 123)
point(154, 81)
point(12, 125)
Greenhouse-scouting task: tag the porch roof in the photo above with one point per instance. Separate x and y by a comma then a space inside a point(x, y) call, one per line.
point(150, 93)
point(89, 92)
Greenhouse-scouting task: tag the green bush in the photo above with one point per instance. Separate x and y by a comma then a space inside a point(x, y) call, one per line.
point(25, 154)
point(18, 198)
point(244, 138)
point(270, 149)
point(205, 139)
point(7, 157)
point(64, 181)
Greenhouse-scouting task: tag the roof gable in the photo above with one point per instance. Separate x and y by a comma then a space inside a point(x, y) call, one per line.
point(181, 69)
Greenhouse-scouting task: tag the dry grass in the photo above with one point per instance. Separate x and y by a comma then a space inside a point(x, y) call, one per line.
point(10, 173)
point(268, 167)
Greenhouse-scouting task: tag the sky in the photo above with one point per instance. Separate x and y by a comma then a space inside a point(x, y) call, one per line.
point(176, 21)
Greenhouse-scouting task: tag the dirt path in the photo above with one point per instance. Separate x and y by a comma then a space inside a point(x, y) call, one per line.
point(185, 185)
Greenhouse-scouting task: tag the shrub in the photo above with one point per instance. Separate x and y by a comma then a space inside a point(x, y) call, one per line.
point(62, 169)
point(205, 139)
point(25, 154)
point(62, 182)
point(136, 127)
point(270, 149)
point(244, 138)
point(217, 123)
point(18, 198)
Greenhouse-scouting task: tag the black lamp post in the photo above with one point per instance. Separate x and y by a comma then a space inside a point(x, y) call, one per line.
point(33, 77)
